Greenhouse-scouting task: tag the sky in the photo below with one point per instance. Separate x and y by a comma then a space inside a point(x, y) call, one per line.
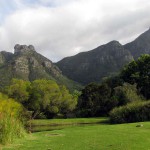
point(61, 28)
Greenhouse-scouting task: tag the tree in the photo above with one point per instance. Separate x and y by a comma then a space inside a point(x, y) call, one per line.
point(19, 90)
point(44, 95)
point(138, 72)
point(68, 101)
point(95, 100)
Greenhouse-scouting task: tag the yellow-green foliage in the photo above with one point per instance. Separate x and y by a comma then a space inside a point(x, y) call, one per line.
point(10, 120)
point(42, 96)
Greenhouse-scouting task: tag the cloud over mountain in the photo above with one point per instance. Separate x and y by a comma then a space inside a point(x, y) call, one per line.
point(65, 27)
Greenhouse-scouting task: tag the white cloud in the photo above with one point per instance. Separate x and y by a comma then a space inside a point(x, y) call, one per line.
point(67, 27)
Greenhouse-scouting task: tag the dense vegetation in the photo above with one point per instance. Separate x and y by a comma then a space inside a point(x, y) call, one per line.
point(95, 100)
point(99, 99)
point(132, 85)
point(139, 72)
point(43, 98)
point(11, 120)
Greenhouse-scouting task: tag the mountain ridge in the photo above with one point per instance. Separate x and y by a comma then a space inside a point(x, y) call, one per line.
point(84, 67)
point(105, 60)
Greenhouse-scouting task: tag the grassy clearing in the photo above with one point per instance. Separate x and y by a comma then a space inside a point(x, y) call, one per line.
point(44, 122)
point(89, 137)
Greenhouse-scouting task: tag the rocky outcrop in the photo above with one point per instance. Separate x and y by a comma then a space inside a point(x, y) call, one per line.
point(27, 64)
point(23, 49)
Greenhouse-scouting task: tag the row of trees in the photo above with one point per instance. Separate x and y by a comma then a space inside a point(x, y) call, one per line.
point(100, 99)
point(44, 97)
point(48, 98)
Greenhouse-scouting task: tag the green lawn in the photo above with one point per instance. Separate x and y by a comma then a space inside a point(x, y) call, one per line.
point(88, 137)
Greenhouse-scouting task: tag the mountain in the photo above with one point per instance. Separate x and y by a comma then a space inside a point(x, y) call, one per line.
point(93, 65)
point(27, 64)
point(140, 45)
point(104, 60)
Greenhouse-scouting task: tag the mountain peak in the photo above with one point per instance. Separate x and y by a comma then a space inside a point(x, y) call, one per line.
point(23, 48)
point(114, 42)
point(96, 64)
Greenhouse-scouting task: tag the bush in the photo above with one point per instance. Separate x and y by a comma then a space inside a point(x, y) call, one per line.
point(132, 112)
point(125, 94)
point(11, 125)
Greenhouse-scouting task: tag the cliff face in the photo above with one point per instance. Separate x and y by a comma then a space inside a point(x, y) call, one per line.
point(5, 57)
point(27, 64)
point(93, 65)
point(103, 61)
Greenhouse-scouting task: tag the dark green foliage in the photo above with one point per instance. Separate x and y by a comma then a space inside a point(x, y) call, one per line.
point(139, 72)
point(113, 81)
point(99, 99)
point(132, 112)
point(95, 100)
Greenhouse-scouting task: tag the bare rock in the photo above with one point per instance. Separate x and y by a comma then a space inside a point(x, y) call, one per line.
point(31, 47)
point(23, 48)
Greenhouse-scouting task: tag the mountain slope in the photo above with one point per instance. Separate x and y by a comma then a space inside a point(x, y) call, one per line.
point(105, 60)
point(27, 64)
point(93, 65)
point(140, 45)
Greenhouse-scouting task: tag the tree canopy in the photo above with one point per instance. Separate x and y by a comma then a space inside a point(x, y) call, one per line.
point(42, 96)
point(138, 71)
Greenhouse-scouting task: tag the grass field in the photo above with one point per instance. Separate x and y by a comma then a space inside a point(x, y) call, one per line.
point(88, 137)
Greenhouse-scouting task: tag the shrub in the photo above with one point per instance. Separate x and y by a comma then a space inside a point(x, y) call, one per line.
point(11, 125)
point(133, 112)
point(125, 94)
